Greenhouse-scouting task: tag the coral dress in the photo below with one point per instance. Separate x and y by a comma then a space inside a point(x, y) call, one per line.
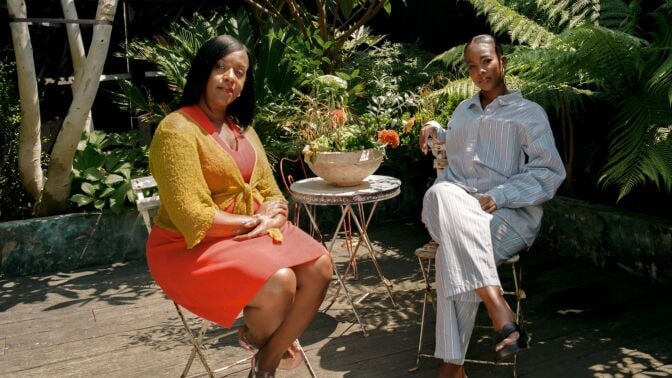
point(214, 278)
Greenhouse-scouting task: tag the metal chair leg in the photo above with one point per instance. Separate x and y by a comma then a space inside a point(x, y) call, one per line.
point(428, 297)
point(196, 344)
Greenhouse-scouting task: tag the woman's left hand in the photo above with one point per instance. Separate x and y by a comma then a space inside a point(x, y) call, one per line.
point(274, 209)
point(271, 214)
point(487, 203)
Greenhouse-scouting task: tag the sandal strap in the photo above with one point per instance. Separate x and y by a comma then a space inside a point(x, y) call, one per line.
point(507, 330)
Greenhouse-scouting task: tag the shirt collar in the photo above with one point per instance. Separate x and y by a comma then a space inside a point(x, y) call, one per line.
point(505, 99)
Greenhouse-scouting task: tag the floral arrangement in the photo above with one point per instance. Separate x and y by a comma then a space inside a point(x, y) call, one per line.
point(326, 123)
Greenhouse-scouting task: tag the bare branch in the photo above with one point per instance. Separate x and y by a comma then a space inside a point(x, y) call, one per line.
point(371, 11)
point(294, 10)
point(322, 19)
point(268, 12)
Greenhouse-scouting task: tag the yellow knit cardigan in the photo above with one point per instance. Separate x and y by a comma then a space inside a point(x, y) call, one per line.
point(196, 176)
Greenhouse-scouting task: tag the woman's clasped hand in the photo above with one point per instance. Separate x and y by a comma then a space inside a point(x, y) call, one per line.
point(270, 215)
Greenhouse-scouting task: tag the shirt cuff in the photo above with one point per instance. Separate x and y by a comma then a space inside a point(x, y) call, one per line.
point(497, 194)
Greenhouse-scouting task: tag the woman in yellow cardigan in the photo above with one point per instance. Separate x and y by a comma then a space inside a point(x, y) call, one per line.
point(221, 243)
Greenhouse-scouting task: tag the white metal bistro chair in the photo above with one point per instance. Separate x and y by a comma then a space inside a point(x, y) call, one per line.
point(146, 204)
point(426, 257)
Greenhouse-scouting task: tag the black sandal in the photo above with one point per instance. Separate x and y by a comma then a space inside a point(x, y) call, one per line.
point(523, 341)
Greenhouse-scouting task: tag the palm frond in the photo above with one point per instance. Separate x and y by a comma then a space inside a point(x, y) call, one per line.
point(132, 99)
point(520, 28)
point(272, 72)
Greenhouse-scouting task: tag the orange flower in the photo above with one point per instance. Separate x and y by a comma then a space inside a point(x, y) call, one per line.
point(339, 116)
point(389, 137)
point(408, 125)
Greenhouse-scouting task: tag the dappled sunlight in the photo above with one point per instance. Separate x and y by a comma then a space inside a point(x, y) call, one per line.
point(61, 290)
point(573, 342)
point(632, 363)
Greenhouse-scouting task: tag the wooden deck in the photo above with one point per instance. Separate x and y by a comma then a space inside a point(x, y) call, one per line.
point(113, 321)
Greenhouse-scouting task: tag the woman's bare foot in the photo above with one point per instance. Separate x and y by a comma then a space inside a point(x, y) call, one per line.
point(247, 340)
point(291, 359)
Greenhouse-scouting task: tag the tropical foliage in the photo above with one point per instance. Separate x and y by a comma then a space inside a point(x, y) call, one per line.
point(326, 26)
point(103, 168)
point(171, 54)
point(567, 53)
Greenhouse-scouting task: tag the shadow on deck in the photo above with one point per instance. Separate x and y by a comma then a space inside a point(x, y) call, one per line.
point(113, 321)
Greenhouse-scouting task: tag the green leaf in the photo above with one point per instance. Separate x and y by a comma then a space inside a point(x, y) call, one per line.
point(106, 192)
point(99, 204)
point(388, 7)
point(89, 188)
point(125, 170)
point(122, 192)
point(111, 162)
point(87, 158)
point(113, 179)
point(92, 174)
point(81, 199)
point(346, 7)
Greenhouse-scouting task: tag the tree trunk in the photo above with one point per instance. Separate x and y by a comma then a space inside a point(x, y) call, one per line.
point(57, 188)
point(30, 148)
point(76, 49)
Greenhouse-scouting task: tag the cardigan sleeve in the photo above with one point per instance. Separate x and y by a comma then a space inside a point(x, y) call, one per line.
point(176, 167)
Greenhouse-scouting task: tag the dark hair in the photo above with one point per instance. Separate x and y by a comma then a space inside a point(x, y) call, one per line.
point(241, 109)
point(485, 38)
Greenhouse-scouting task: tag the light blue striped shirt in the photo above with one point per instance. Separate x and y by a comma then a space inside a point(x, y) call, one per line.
point(507, 151)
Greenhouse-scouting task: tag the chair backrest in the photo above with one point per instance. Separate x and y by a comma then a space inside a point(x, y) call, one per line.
point(292, 170)
point(141, 186)
point(439, 152)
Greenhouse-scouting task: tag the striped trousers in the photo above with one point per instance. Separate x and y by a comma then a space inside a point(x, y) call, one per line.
point(471, 245)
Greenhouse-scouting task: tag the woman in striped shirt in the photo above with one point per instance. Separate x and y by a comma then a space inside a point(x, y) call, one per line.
point(486, 205)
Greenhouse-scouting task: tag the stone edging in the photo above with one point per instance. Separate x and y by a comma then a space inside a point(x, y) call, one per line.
point(639, 243)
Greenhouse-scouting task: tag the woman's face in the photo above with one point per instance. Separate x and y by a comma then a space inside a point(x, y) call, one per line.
point(486, 69)
point(226, 80)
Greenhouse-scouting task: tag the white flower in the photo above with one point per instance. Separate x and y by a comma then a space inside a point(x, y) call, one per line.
point(333, 82)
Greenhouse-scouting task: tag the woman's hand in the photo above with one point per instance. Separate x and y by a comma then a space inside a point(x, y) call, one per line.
point(274, 209)
point(271, 214)
point(427, 131)
point(487, 203)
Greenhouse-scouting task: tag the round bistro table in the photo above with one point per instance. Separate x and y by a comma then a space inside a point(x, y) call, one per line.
point(373, 189)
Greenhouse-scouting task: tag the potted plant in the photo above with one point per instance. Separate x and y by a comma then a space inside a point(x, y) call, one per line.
point(340, 147)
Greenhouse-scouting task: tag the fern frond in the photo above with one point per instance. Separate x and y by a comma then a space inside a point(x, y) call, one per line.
point(570, 13)
point(617, 15)
point(450, 58)
point(660, 79)
point(611, 58)
point(640, 148)
point(462, 88)
point(520, 28)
